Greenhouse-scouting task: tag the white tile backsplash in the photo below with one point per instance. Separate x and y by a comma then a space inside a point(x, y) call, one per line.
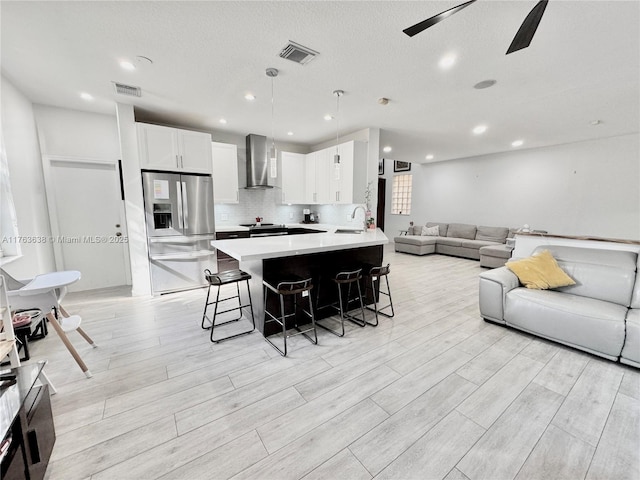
point(262, 203)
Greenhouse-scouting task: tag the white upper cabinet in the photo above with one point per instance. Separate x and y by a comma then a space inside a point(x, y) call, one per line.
point(341, 174)
point(225, 172)
point(167, 148)
point(293, 177)
point(317, 177)
point(329, 183)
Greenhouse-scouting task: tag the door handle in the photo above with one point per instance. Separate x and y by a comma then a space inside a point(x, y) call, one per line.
point(185, 204)
point(179, 191)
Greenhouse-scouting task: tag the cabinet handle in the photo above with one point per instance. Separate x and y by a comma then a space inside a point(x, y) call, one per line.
point(237, 196)
point(181, 161)
point(177, 162)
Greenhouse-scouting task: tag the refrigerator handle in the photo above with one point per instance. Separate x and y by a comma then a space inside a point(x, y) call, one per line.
point(185, 205)
point(179, 191)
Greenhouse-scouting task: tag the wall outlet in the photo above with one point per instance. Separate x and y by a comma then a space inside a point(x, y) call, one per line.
point(224, 217)
point(348, 217)
point(290, 215)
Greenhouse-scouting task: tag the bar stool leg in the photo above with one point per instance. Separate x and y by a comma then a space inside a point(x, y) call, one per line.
point(218, 280)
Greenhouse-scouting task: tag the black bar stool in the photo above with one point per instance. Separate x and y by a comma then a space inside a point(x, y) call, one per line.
point(373, 275)
point(345, 297)
point(290, 288)
point(217, 280)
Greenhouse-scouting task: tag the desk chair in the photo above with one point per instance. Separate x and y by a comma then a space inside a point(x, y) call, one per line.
point(45, 292)
point(7, 335)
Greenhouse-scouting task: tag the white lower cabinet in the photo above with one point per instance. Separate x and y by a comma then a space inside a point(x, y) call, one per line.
point(225, 172)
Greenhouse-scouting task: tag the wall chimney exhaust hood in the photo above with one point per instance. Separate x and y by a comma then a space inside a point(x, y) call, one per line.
point(257, 162)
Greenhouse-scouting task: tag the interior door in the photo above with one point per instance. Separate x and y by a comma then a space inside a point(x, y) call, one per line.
point(87, 221)
point(382, 189)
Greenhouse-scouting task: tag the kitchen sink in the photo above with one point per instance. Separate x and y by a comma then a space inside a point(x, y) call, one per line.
point(349, 230)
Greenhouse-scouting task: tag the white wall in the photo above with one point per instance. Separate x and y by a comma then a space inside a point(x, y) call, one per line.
point(586, 188)
point(27, 183)
point(77, 134)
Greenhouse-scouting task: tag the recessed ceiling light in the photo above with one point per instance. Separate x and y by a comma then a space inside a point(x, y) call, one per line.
point(250, 96)
point(517, 143)
point(429, 157)
point(289, 133)
point(447, 61)
point(126, 65)
point(86, 96)
point(596, 122)
point(386, 149)
point(223, 121)
point(328, 117)
point(480, 129)
point(484, 84)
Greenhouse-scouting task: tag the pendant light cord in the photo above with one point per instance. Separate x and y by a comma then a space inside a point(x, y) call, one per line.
point(273, 138)
point(337, 120)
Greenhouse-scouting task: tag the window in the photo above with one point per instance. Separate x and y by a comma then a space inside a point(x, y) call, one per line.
point(401, 195)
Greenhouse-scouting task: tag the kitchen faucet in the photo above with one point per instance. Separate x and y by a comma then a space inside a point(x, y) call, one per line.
point(353, 215)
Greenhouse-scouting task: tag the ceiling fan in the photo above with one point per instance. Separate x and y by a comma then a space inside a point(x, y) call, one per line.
point(521, 40)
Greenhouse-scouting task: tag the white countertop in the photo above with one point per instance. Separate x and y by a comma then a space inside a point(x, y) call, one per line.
point(231, 228)
point(259, 248)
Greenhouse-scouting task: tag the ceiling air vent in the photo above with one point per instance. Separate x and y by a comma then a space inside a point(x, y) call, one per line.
point(297, 53)
point(130, 90)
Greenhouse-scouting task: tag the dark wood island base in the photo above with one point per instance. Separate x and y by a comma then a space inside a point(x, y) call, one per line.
point(321, 267)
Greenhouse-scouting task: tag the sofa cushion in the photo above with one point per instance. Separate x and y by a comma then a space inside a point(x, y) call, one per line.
point(594, 325)
point(442, 227)
point(430, 231)
point(477, 243)
point(492, 234)
point(415, 240)
point(631, 350)
point(461, 230)
point(540, 271)
point(603, 274)
point(451, 242)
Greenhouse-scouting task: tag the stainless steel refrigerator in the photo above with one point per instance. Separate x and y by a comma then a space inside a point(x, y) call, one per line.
point(180, 227)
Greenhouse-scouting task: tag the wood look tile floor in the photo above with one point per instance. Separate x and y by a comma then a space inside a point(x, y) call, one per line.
point(435, 393)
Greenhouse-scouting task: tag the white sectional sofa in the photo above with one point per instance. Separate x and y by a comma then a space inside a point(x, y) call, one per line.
point(600, 314)
point(460, 240)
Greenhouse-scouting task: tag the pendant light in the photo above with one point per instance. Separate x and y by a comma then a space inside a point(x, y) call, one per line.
point(273, 154)
point(338, 94)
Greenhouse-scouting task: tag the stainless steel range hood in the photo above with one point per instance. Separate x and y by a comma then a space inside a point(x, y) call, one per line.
point(257, 162)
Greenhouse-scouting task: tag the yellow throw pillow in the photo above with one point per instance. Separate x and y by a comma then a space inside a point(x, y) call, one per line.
point(541, 272)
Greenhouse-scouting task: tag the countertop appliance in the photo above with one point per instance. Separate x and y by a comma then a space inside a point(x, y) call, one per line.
point(179, 217)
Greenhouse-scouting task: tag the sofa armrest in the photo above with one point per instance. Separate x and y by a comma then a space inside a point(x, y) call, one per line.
point(494, 286)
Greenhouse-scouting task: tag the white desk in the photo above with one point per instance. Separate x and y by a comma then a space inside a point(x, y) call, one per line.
point(55, 283)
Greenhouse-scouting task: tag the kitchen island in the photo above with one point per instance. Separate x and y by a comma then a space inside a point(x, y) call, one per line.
point(313, 255)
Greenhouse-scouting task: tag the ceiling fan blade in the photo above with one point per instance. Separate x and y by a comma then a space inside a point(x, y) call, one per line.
point(528, 28)
point(429, 22)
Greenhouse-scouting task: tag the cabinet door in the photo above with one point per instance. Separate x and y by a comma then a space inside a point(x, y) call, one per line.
point(195, 151)
point(225, 172)
point(342, 178)
point(293, 173)
point(324, 165)
point(158, 147)
point(310, 191)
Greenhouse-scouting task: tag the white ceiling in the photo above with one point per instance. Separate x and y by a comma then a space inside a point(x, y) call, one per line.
point(583, 65)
